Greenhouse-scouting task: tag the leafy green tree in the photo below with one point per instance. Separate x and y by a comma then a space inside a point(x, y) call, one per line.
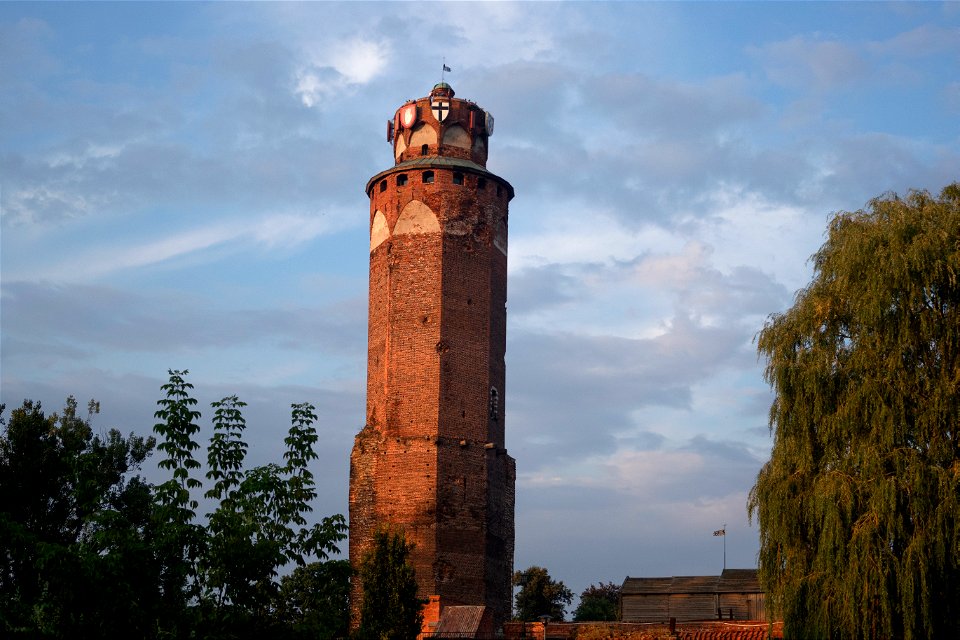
point(315, 600)
point(75, 557)
point(180, 540)
point(228, 569)
point(90, 550)
point(598, 603)
point(859, 505)
point(540, 595)
point(390, 609)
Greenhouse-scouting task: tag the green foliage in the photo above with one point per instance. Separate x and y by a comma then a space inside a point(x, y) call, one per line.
point(599, 603)
point(540, 595)
point(88, 549)
point(258, 526)
point(390, 609)
point(74, 543)
point(859, 505)
point(315, 600)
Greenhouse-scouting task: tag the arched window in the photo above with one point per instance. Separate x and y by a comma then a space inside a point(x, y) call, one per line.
point(427, 177)
point(423, 149)
point(383, 185)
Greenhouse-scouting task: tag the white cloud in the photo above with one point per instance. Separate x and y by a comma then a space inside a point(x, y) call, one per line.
point(582, 232)
point(358, 60)
point(338, 66)
point(91, 152)
point(30, 205)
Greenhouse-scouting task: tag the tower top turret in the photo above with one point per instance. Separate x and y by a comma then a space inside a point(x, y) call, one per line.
point(440, 125)
point(442, 89)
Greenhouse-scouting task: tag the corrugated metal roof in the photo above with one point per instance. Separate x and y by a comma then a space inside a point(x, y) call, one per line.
point(739, 581)
point(460, 620)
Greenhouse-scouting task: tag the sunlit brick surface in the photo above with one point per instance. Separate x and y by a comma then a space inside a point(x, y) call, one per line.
point(432, 458)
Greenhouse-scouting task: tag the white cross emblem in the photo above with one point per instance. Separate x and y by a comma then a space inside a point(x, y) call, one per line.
point(440, 107)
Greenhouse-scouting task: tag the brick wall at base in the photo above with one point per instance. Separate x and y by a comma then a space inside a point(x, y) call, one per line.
point(742, 630)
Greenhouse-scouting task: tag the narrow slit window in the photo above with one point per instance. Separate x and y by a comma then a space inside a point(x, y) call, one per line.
point(499, 191)
point(494, 404)
point(481, 183)
point(457, 177)
point(424, 149)
point(383, 186)
point(427, 177)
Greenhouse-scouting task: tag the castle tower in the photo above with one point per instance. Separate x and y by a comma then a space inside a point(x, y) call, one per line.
point(431, 459)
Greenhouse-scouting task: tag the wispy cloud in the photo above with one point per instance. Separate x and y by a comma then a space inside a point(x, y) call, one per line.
point(204, 243)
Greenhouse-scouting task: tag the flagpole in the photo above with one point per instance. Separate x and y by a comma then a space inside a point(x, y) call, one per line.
point(724, 546)
point(723, 534)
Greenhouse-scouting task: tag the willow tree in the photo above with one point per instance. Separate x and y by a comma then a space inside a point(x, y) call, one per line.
point(859, 505)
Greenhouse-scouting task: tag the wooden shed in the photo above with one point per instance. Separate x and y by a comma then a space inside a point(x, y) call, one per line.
point(693, 598)
point(735, 594)
point(739, 595)
point(645, 599)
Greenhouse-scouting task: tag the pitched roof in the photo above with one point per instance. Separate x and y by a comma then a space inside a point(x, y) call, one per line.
point(694, 584)
point(646, 585)
point(739, 581)
point(460, 620)
point(730, 581)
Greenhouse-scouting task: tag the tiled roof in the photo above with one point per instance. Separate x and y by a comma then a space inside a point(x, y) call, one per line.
point(735, 634)
point(460, 620)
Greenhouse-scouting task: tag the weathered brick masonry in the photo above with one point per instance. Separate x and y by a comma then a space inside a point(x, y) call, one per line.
point(432, 458)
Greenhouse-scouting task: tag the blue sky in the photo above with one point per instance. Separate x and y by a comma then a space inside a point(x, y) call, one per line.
point(182, 187)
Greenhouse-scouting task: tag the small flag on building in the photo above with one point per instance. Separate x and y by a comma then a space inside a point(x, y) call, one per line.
point(720, 532)
point(447, 69)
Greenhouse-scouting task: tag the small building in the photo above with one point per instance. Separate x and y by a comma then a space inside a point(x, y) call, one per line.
point(739, 596)
point(735, 594)
point(465, 623)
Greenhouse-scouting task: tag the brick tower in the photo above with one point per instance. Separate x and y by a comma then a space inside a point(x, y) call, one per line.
point(431, 459)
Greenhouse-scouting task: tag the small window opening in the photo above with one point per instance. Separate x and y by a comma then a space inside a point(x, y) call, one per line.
point(457, 177)
point(427, 177)
point(499, 191)
point(383, 186)
point(481, 183)
point(401, 179)
point(424, 149)
point(494, 404)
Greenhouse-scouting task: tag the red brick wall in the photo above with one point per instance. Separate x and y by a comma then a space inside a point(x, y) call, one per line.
point(432, 457)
